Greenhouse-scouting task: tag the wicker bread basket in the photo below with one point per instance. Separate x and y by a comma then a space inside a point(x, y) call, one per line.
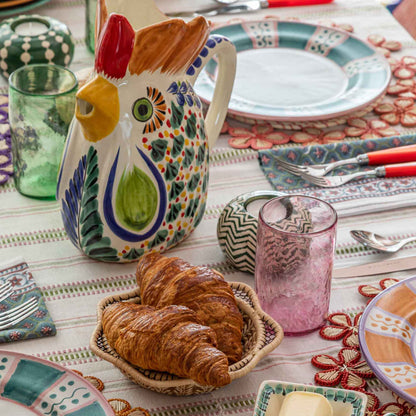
point(261, 334)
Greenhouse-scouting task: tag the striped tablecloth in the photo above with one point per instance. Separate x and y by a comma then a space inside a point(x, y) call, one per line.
point(72, 284)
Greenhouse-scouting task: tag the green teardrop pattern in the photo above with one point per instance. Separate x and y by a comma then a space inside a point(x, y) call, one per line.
point(136, 200)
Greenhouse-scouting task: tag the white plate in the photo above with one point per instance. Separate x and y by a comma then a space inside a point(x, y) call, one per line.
point(295, 72)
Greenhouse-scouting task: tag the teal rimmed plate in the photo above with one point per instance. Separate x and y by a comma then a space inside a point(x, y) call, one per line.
point(343, 402)
point(292, 71)
point(32, 386)
point(20, 6)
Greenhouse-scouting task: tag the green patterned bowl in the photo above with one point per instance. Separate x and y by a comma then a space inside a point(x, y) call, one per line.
point(34, 39)
point(344, 402)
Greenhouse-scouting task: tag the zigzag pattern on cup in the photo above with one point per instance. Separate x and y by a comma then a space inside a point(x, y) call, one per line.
point(237, 230)
point(236, 233)
point(285, 255)
point(300, 222)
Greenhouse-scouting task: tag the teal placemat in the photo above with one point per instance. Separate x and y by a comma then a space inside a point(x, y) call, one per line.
point(40, 323)
point(317, 154)
point(364, 195)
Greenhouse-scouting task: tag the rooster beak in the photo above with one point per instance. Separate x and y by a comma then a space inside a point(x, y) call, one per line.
point(97, 108)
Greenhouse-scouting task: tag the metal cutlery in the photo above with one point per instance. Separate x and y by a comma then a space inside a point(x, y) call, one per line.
point(377, 267)
point(12, 317)
point(379, 157)
point(388, 171)
point(233, 8)
point(6, 289)
point(380, 242)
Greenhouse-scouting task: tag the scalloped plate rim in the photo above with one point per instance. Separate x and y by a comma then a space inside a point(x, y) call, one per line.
point(96, 394)
point(366, 352)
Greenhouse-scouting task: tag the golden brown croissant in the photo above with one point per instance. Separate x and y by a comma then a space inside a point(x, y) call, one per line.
point(170, 339)
point(172, 281)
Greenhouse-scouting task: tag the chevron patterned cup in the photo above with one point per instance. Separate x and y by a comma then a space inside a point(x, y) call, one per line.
point(237, 228)
point(294, 259)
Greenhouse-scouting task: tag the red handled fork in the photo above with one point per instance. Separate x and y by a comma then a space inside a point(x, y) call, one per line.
point(388, 171)
point(400, 154)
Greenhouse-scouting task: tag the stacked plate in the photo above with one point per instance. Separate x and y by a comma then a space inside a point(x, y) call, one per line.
point(9, 7)
point(294, 75)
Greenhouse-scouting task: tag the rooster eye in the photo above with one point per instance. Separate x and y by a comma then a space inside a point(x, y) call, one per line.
point(142, 109)
point(150, 110)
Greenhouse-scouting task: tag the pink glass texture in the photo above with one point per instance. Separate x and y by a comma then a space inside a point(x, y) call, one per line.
point(294, 260)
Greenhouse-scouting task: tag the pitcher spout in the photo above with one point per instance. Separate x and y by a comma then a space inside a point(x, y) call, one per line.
point(97, 108)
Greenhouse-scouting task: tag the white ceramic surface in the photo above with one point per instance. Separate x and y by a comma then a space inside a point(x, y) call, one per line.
point(287, 77)
point(13, 409)
point(294, 72)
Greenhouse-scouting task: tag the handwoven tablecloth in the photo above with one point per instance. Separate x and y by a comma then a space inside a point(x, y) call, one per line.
point(72, 284)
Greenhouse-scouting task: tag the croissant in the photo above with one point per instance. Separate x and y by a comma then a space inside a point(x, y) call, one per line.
point(172, 281)
point(170, 339)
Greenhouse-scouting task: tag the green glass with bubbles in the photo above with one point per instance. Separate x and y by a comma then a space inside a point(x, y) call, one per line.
point(41, 107)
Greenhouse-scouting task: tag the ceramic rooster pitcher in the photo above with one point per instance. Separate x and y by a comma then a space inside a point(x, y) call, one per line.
point(134, 172)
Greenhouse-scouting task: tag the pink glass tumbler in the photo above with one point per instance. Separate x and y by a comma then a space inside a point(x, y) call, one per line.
point(294, 259)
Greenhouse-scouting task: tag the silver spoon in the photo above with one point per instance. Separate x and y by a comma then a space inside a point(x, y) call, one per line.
point(379, 242)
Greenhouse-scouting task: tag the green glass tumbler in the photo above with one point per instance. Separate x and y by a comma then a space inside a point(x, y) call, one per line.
point(41, 107)
point(90, 12)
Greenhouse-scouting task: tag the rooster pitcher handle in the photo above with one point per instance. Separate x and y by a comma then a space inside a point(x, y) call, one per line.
point(224, 53)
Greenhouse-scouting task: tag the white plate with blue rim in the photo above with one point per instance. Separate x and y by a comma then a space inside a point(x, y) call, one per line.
point(343, 402)
point(293, 71)
point(32, 386)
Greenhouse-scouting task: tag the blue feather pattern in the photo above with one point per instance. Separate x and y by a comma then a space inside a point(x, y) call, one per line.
point(80, 214)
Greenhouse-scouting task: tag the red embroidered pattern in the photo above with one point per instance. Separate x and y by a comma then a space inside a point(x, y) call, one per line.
point(384, 46)
point(393, 408)
point(346, 370)
point(404, 88)
point(401, 110)
point(405, 68)
point(368, 129)
point(121, 407)
point(342, 327)
point(409, 408)
point(343, 26)
point(371, 291)
point(261, 136)
point(312, 135)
